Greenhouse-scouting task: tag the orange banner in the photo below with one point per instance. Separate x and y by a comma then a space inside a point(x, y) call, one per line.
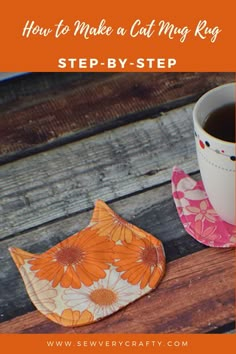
point(123, 343)
point(117, 36)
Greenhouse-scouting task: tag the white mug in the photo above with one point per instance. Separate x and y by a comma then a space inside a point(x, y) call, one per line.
point(216, 158)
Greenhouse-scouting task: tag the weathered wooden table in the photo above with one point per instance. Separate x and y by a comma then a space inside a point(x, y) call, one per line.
point(68, 139)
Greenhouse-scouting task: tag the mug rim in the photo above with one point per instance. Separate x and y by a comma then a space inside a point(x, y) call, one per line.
point(199, 101)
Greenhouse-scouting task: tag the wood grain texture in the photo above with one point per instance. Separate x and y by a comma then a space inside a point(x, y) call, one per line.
point(32, 88)
point(108, 166)
point(48, 111)
point(196, 296)
point(152, 210)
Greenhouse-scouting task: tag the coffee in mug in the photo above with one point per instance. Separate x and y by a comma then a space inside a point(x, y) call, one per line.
point(214, 125)
point(221, 123)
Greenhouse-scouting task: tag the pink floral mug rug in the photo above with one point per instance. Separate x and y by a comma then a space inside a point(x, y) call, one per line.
point(197, 214)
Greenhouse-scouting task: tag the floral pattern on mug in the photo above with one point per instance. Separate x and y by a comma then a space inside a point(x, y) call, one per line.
point(93, 273)
point(198, 216)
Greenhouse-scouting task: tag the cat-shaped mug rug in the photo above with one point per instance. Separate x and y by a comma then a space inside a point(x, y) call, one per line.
point(93, 273)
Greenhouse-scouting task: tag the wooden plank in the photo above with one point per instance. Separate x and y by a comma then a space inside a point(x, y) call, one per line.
point(32, 88)
point(196, 296)
point(126, 160)
point(62, 106)
point(144, 210)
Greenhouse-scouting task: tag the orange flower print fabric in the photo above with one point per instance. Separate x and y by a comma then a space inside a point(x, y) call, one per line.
point(93, 273)
point(141, 261)
point(70, 318)
point(79, 260)
point(106, 222)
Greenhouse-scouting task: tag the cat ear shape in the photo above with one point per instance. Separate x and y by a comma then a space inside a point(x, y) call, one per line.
point(93, 273)
point(107, 223)
point(20, 256)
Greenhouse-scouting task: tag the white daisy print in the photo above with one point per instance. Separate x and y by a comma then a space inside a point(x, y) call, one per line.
point(41, 293)
point(104, 297)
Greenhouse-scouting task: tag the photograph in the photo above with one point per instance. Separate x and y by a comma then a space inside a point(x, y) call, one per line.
point(117, 202)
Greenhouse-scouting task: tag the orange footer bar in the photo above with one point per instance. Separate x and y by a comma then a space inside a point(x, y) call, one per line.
point(117, 343)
